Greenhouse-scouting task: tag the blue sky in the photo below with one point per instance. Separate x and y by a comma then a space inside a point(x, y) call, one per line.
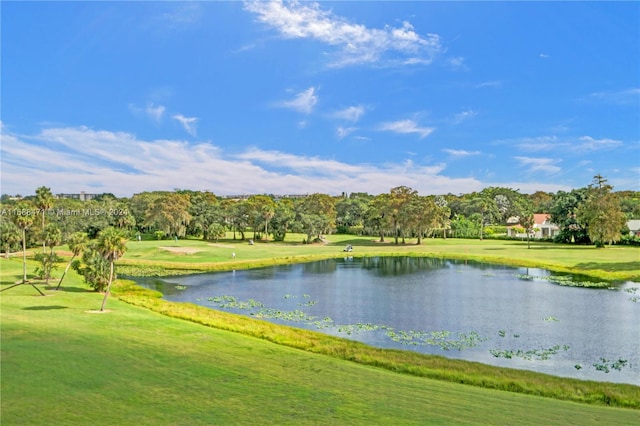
point(303, 97)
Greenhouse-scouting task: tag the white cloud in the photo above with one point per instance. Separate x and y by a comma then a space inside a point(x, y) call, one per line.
point(180, 15)
point(151, 111)
point(543, 56)
point(352, 113)
point(303, 102)
point(189, 123)
point(355, 43)
point(494, 83)
point(460, 152)
point(463, 116)
point(619, 97)
point(343, 132)
point(82, 159)
point(155, 112)
point(587, 143)
point(406, 126)
point(544, 165)
point(575, 145)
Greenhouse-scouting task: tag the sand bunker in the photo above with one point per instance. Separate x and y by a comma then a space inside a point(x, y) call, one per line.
point(180, 250)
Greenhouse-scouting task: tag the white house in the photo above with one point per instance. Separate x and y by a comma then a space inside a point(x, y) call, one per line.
point(634, 226)
point(542, 227)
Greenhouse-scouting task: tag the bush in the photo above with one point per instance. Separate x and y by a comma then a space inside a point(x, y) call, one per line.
point(629, 240)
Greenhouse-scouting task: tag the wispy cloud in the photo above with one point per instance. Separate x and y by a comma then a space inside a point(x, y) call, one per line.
point(75, 159)
point(457, 63)
point(355, 43)
point(463, 116)
point(352, 113)
point(343, 132)
point(544, 56)
point(460, 152)
point(152, 111)
point(303, 102)
point(581, 144)
point(617, 97)
point(180, 15)
point(587, 143)
point(493, 83)
point(189, 123)
point(406, 127)
point(155, 112)
point(543, 165)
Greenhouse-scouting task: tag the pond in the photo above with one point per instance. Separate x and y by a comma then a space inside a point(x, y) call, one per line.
point(521, 318)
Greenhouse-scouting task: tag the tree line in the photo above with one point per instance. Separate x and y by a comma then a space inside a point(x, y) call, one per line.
point(594, 214)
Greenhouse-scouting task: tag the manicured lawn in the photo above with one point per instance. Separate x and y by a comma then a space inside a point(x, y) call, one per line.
point(63, 365)
point(612, 262)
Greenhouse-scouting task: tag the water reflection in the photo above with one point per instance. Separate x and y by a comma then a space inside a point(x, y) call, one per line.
point(434, 305)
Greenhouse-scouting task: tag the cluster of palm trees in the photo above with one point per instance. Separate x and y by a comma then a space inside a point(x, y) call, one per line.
point(110, 244)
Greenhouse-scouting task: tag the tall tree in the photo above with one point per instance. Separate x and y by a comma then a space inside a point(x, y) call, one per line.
point(377, 218)
point(400, 197)
point(205, 211)
point(528, 221)
point(316, 214)
point(485, 209)
point(44, 201)
point(262, 209)
point(282, 220)
point(170, 214)
point(10, 237)
point(112, 244)
point(77, 244)
point(563, 213)
point(601, 213)
point(52, 236)
point(422, 214)
point(23, 218)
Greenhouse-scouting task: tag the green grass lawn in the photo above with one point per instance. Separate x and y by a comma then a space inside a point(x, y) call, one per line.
point(612, 262)
point(64, 365)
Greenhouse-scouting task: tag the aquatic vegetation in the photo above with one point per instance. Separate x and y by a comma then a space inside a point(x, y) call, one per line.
point(566, 280)
point(230, 302)
point(634, 292)
point(542, 354)
point(180, 287)
point(501, 333)
point(606, 365)
point(360, 327)
point(437, 338)
point(549, 319)
point(443, 339)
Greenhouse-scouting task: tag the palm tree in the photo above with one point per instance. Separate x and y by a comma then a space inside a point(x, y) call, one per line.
point(9, 236)
point(23, 219)
point(267, 211)
point(44, 201)
point(112, 245)
point(77, 244)
point(527, 222)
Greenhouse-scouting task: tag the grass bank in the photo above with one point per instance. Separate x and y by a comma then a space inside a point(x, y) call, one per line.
point(619, 263)
point(64, 365)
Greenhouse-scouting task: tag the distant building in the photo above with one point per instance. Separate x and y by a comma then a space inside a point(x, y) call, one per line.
point(542, 227)
point(634, 227)
point(83, 196)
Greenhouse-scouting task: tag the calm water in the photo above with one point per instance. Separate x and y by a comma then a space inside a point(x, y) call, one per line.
point(477, 312)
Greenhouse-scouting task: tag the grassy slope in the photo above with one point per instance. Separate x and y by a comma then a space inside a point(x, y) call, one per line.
point(62, 365)
point(615, 262)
